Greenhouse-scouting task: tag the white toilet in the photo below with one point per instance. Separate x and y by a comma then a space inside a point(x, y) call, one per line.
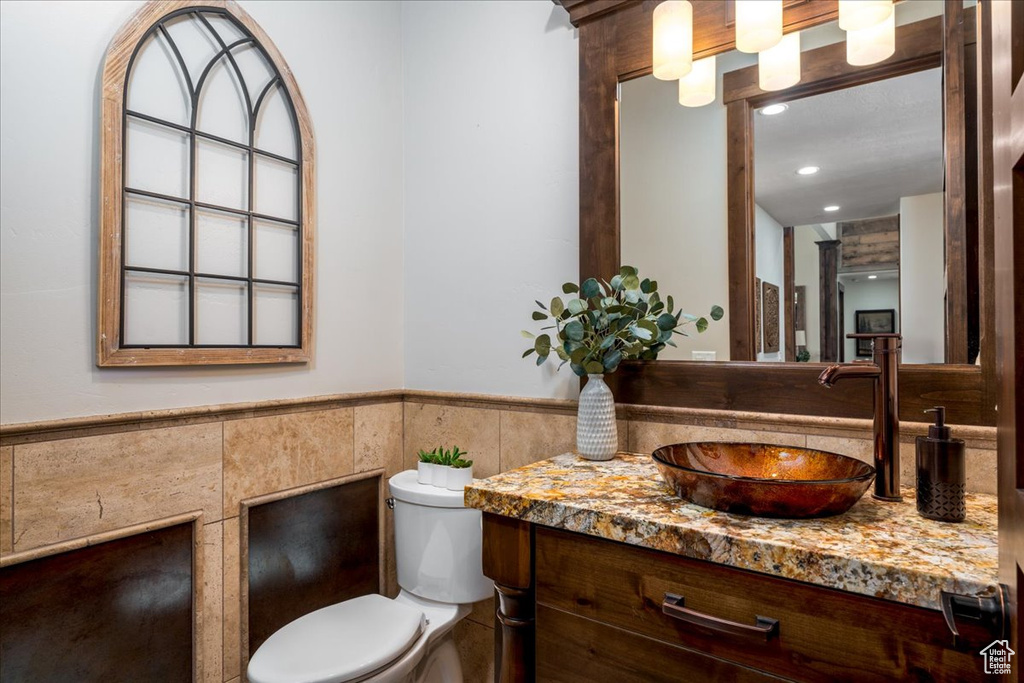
point(407, 639)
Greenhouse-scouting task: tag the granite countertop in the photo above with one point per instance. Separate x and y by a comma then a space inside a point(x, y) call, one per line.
point(885, 550)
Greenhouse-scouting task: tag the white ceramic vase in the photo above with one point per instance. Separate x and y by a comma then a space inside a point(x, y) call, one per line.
point(596, 435)
point(459, 477)
point(440, 476)
point(425, 472)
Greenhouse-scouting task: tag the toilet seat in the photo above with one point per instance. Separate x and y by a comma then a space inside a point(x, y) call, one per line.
point(348, 641)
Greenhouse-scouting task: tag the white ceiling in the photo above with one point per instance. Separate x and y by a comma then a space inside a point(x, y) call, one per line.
point(874, 143)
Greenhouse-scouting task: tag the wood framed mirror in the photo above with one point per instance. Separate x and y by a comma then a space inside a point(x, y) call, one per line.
point(615, 47)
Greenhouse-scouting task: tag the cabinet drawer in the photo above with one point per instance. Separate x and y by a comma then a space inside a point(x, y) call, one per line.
point(822, 634)
point(572, 649)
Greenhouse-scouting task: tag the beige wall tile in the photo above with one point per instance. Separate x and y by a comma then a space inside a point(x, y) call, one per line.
point(862, 449)
point(981, 470)
point(476, 651)
point(473, 429)
point(267, 454)
point(6, 499)
point(528, 437)
point(644, 437)
point(77, 487)
point(378, 438)
point(212, 616)
point(232, 605)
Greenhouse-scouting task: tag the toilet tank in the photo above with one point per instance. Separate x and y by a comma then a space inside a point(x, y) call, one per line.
point(438, 542)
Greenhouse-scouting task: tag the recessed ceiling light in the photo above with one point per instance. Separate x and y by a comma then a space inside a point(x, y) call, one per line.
point(773, 109)
point(872, 277)
point(832, 208)
point(807, 170)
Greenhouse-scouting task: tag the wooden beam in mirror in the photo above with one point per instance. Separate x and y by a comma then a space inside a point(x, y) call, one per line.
point(615, 46)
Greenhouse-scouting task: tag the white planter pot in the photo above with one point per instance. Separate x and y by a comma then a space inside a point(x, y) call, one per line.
point(459, 477)
point(425, 472)
point(441, 473)
point(596, 434)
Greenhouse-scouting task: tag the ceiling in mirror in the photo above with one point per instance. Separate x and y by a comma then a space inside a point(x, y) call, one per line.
point(871, 145)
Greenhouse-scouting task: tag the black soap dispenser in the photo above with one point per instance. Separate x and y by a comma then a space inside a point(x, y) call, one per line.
point(941, 473)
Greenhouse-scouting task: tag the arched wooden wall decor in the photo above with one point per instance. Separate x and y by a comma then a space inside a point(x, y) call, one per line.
point(207, 193)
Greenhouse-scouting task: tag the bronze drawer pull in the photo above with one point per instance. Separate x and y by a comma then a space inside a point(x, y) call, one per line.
point(674, 607)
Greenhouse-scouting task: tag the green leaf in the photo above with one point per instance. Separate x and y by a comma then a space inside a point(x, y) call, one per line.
point(642, 334)
point(541, 359)
point(651, 329)
point(645, 286)
point(543, 307)
point(666, 321)
point(591, 288)
point(625, 271)
point(607, 342)
point(717, 312)
point(577, 306)
point(528, 335)
point(631, 282)
point(537, 315)
point(578, 369)
point(527, 352)
point(557, 306)
point(702, 324)
point(611, 360)
point(543, 345)
point(574, 330)
point(594, 367)
point(560, 352)
point(578, 356)
point(671, 304)
point(569, 288)
point(616, 283)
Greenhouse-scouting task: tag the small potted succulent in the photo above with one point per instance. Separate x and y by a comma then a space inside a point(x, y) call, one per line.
point(444, 468)
point(597, 326)
point(426, 466)
point(460, 474)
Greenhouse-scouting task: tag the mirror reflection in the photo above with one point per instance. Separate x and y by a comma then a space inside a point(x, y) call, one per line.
point(866, 212)
point(848, 192)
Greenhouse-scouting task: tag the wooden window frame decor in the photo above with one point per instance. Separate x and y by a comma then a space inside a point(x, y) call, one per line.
point(112, 350)
point(614, 46)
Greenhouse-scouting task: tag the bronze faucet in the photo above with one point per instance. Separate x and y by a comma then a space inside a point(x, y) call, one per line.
point(884, 371)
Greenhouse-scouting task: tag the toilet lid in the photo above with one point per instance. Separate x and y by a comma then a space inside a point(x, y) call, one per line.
point(342, 642)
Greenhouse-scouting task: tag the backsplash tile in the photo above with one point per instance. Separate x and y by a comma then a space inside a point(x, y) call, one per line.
point(6, 499)
point(644, 437)
point(378, 438)
point(473, 429)
point(78, 487)
point(277, 452)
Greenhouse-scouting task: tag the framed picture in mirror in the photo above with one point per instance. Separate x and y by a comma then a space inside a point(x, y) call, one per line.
point(878, 321)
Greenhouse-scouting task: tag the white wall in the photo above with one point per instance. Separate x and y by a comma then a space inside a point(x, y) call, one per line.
point(347, 59)
point(769, 264)
point(491, 190)
point(805, 272)
point(922, 269)
point(866, 295)
point(674, 206)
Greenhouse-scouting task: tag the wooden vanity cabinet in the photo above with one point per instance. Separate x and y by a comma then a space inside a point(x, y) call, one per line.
point(589, 609)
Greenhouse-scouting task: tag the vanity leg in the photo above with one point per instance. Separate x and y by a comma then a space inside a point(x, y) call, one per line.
point(514, 661)
point(508, 560)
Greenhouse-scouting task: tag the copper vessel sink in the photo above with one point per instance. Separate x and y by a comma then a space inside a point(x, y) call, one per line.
point(763, 480)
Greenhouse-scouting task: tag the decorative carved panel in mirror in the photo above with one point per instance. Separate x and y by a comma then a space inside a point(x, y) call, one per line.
point(615, 59)
point(207, 181)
